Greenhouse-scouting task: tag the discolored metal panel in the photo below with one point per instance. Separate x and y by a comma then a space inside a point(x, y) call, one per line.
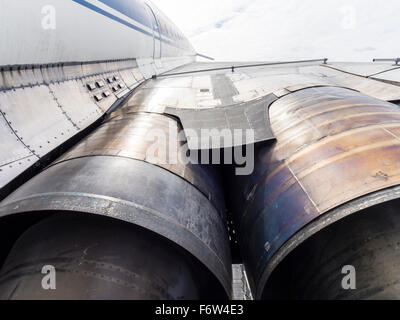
point(223, 89)
point(118, 172)
point(157, 99)
point(200, 125)
point(11, 147)
point(15, 156)
point(22, 76)
point(153, 138)
point(175, 82)
point(37, 118)
point(136, 192)
point(319, 115)
point(116, 260)
point(333, 146)
point(364, 236)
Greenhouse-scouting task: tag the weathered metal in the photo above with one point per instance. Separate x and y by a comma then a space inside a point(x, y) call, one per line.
point(185, 88)
point(333, 145)
point(153, 138)
point(358, 252)
point(102, 258)
point(43, 107)
point(204, 128)
point(110, 173)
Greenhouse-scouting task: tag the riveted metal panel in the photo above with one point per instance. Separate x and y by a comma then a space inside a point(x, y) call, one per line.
point(180, 201)
point(37, 118)
point(15, 157)
point(76, 102)
point(12, 170)
point(11, 147)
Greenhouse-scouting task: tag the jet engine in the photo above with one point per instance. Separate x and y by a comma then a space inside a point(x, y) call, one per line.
point(116, 222)
point(323, 199)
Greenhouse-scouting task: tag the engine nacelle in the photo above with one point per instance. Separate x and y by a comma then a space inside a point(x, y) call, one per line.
point(173, 243)
point(337, 153)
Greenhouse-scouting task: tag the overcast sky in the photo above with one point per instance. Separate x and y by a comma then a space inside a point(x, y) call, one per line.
point(263, 30)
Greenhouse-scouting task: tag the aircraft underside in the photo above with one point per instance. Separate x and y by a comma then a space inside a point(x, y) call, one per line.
point(308, 183)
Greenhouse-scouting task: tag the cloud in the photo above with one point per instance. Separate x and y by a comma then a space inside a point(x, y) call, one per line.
point(265, 30)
